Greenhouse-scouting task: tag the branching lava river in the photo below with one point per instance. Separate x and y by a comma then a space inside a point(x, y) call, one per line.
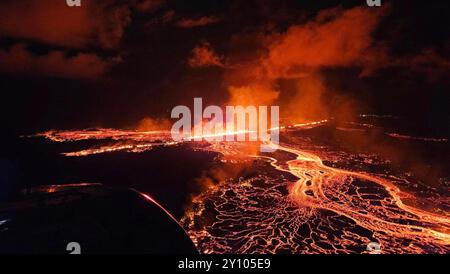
point(289, 201)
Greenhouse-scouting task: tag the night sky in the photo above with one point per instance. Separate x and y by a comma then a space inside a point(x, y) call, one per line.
point(112, 63)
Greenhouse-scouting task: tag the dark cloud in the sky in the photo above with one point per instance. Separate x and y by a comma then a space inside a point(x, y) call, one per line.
point(96, 25)
point(19, 60)
point(197, 22)
point(203, 55)
point(114, 62)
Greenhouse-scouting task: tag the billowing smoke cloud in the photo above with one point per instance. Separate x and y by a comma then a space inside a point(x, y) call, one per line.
point(252, 94)
point(149, 124)
point(288, 68)
point(334, 38)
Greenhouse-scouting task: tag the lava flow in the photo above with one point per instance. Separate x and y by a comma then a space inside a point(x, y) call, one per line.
point(324, 210)
point(130, 141)
point(289, 201)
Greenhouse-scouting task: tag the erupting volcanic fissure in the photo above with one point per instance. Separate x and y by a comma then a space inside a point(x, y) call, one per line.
point(289, 201)
point(262, 127)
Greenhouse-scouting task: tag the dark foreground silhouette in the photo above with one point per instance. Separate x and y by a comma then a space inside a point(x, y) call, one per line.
point(100, 219)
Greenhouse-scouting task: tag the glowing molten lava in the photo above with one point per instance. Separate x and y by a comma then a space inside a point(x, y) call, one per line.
point(290, 201)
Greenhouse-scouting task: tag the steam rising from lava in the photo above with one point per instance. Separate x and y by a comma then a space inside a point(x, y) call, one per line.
point(334, 38)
